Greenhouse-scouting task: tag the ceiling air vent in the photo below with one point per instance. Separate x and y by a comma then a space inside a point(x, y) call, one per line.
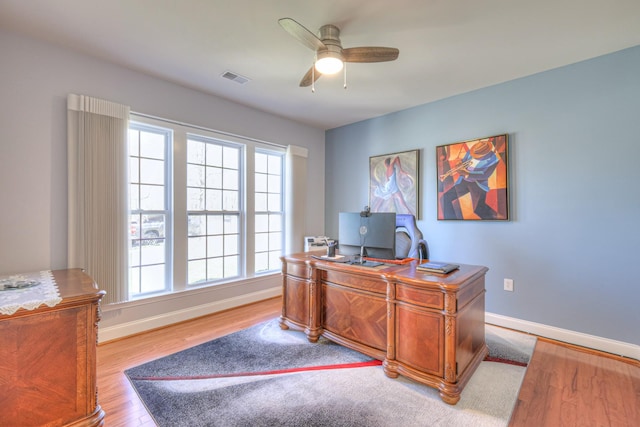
point(235, 77)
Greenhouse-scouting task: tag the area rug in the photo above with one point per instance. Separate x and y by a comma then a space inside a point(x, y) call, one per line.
point(264, 376)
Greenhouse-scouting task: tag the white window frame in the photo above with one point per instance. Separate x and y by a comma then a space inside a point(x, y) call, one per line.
point(167, 211)
point(205, 212)
point(270, 211)
point(178, 208)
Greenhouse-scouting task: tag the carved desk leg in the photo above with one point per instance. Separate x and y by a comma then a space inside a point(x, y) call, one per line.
point(390, 365)
point(450, 393)
point(314, 328)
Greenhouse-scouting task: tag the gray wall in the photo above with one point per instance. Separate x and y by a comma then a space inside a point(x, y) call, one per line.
point(35, 79)
point(572, 244)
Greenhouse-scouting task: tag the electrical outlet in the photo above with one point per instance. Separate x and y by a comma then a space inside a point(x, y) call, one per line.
point(508, 285)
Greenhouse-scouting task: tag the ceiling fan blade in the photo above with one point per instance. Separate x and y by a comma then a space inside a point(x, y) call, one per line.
point(311, 74)
point(370, 54)
point(300, 33)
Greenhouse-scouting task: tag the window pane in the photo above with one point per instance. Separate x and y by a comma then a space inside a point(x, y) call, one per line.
point(214, 155)
point(275, 241)
point(230, 179)
point(275, 202)
point(261, 202)
point(152, 145)
point(197, 247)
point(196, 225)
point(195, 199)
point(262, 261)
point(134, 279)
point(215, 246)
point(213, 200)
point(231, 244)
point(134, 255)
point(230, 157)
point(231, 224)
point(197, 271)
point(214, 178)
point(274, 260)
point(261, 183)
point(134, 144)
point(275, 222)
point(215, 269)
point(134, 197)
point(152, 171)
point(230, 202)
point(231, 266)
point(275, 165)
point(261, 163)
point(152, 254)
point(195, 151)
point(195, 176)
point(134, 170)
point(215, 224)
point(152, 278)
point(262, 242)
point(152, 197)
point(273, 183)
point(262, 223)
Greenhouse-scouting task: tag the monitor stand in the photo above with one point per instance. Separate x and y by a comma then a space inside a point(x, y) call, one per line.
point(358, 259)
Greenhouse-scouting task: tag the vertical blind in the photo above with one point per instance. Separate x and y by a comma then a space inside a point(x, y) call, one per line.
point(295, 190)
point(97, 191)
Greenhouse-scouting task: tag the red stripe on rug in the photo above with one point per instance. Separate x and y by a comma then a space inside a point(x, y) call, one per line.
point(507, 361)
point(274, 372)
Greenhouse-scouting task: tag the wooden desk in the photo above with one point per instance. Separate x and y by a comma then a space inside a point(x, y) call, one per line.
point(428, 327)
point(48, 359)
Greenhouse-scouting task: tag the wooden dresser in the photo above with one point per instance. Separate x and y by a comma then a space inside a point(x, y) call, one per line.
point(428, 327)
point(48, 359)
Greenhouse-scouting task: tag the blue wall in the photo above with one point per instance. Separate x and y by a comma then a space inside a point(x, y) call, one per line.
point(573, 241)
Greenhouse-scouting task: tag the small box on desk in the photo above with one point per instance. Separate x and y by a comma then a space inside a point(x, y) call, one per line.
point(437, 267)
point(317, 243)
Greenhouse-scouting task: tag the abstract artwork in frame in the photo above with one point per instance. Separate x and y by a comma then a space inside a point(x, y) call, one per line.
point(393, 183)
point(472, 179)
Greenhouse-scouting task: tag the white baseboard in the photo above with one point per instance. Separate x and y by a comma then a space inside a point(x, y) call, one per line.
point(577, 338)
point(111, 333)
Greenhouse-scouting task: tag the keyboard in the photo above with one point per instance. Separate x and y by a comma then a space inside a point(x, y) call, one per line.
point(390, 261)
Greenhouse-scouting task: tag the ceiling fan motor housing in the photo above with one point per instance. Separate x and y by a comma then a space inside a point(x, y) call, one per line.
point(330, 36)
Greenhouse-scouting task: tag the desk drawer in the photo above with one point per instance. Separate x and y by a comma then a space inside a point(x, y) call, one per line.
point(302, 271)
point(421, 297)
point(356, 281)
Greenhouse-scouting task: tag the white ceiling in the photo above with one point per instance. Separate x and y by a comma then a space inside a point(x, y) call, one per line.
point(447, 47)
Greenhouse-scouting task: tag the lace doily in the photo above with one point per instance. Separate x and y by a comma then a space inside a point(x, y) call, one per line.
point(28, 291)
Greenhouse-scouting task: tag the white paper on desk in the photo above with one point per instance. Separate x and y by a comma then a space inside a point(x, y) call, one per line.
point(331, 257)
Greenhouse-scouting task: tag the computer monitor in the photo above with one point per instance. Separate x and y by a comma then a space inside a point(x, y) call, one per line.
point(367, 234)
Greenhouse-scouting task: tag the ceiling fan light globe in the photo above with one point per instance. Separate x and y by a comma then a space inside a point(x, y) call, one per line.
point(329, 65)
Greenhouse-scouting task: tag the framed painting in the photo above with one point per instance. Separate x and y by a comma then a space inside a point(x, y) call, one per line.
point(393, 182)
point(472, 179)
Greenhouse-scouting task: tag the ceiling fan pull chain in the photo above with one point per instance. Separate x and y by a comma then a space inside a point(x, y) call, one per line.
point(313, 74)
point(345, 75)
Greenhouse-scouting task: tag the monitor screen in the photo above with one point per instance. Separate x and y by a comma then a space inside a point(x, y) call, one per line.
point(374, 232)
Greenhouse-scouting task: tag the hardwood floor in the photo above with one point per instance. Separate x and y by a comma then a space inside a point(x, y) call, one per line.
point(573, 386)
point(562, 387)
point(115, 394)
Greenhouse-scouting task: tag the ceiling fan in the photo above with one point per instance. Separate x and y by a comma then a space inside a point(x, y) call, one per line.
point(330, 56)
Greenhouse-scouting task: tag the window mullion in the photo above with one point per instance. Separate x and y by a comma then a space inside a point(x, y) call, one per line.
point(249, 220)
point(180, 228)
